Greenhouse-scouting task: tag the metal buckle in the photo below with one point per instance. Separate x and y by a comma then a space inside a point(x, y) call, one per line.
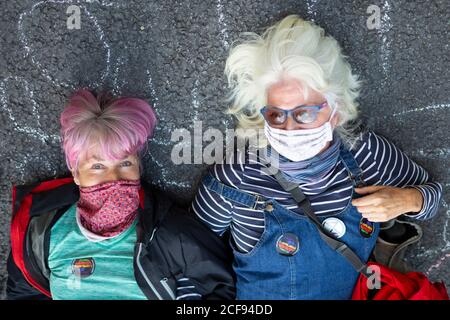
point(258, 198)
point(358, 184)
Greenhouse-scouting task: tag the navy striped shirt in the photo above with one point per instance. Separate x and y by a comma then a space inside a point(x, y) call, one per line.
point(186, 290)
point(381, 162)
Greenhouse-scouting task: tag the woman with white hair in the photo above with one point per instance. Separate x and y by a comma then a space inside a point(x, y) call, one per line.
point(304, 228)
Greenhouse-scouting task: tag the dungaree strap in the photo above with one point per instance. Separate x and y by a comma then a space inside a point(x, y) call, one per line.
point(232, 194)
point(352, 166)
point(305, 205)
point(253, 201)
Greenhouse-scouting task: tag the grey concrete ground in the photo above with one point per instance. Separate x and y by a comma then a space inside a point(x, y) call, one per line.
point(172, 53)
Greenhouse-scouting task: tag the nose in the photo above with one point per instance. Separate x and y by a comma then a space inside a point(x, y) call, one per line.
point(113, 175)
point(290, 124)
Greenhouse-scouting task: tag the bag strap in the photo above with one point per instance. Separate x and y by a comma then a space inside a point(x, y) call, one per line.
point(304, 204)
point(252, 201)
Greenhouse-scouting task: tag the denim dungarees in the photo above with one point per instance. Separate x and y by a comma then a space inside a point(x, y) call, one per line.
point(315, 271)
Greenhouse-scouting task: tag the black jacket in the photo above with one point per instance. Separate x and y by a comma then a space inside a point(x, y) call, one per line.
point(170, 244)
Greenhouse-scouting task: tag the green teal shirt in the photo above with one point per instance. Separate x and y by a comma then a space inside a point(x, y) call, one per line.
point(82, 269)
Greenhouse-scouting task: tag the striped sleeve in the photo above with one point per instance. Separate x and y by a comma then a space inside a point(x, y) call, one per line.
point(393, 168)
point(186, 290)
point(212, 209)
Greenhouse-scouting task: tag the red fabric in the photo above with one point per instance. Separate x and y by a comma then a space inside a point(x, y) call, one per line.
point(21, 218)
point(109, 208)
point(141, 197)
point(51, 184)
point(398, 286)
point(19, 226)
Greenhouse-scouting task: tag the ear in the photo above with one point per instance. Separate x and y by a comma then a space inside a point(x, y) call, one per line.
point(75, 178)
point(334, 121)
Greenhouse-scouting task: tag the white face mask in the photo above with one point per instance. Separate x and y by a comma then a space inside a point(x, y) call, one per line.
point(298, 145)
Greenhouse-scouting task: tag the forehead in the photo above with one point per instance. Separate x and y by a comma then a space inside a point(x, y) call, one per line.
point(290, 93)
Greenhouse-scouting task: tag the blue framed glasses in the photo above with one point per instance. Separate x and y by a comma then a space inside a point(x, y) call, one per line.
point(301, 114)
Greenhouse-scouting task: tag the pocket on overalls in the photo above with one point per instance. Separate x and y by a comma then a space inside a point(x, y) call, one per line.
point(252, 252)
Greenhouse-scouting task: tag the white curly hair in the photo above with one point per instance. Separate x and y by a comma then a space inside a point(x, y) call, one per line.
point(297, 49)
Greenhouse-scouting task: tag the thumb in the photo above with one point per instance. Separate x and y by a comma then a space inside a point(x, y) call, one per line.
point(368, 189)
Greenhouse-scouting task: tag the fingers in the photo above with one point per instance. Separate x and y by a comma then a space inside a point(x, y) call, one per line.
point(376, 213)
point(368, 189)
point(371, 199)
point(368, 210)
point(377, 217)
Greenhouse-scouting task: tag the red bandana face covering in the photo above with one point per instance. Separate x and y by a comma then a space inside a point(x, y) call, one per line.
point(109, 208)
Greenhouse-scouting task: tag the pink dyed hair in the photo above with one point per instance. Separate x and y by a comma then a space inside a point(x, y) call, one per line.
point(107, 128)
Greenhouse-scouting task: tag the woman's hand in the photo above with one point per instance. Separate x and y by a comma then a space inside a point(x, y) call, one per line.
point(383, 203)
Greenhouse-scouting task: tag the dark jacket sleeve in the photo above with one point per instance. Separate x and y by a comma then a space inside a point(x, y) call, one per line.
point(207, 261)
point(17, 287)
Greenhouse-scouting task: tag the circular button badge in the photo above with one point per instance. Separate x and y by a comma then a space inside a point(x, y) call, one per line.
point(366, 228)
point(334, 226)
point(288, 244)
point(83, 268)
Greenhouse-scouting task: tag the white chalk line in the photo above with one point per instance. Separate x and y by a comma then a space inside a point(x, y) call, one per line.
point(165, 174)
point(438, 263)
point(431, 107)
point(226, 121)
point(22, 161)
point(385, 49)
point(116, 5)
point(311, 8)
point(152, 88)
point(28, 51)
point(195, 102)
point(105, 44)
point(447, 244)
point(163, 168)
point(222, 25)
point(118, 64)
point(159, 113)
point(37, 133)
point(432, 154)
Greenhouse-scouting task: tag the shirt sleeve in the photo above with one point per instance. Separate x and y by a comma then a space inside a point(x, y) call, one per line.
point(391, 167)
point(211, 208)
point(186, 290)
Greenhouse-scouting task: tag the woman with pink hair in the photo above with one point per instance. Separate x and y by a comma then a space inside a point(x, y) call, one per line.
point(105, 234)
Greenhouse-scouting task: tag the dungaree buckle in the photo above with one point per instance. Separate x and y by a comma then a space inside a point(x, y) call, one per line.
point(257, 199)
point(358, 183)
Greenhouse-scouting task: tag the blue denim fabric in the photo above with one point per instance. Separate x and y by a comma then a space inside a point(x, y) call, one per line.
point(316, 271)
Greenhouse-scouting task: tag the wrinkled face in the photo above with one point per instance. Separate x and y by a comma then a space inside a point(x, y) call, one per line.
point(288, 94)
point(93, 171)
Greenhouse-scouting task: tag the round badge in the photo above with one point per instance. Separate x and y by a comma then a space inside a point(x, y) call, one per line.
point(84, 267)
point(366, 228)
point(288, 244)
point(334, 226)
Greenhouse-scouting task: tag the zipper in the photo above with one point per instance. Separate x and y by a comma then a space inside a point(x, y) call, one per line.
point(167, 287)
point(138, 261)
